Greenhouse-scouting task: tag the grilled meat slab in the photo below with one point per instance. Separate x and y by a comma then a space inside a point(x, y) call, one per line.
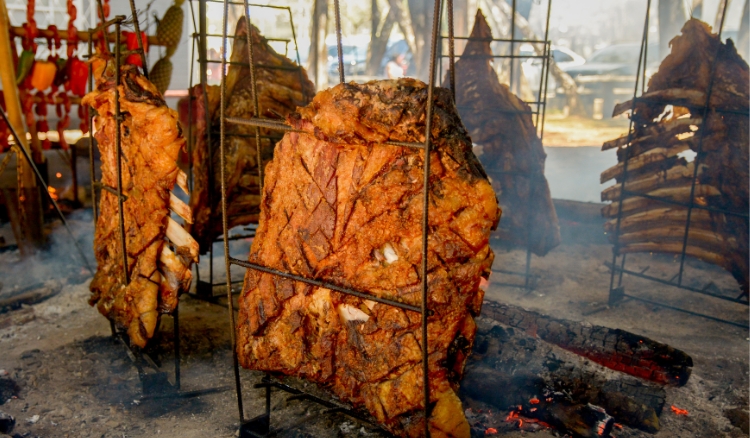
point(512, 153)
point(282, 87)
point(340, 206)
point(668, 120)
point(151, 139)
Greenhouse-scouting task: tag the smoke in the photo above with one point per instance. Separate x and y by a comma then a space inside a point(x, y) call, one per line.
point(59, 260)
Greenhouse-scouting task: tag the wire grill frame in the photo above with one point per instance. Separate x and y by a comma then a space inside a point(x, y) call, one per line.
point(229, 260)
point(617, 293)
point(539, 113)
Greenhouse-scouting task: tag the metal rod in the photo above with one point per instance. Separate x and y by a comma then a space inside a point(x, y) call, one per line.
point(546, 61)
point(679, 286)
point(176, 320)
point(689, 312)
point(281, 126)
point(111, 190)
point(191, 98)
point(118, 147)
point(451, 51)
point(337, 12)
point(225, 225)
point(139, 37)
point(323, 284)
point(104, 26)
point(263, 66)
point(43, 184)
point(425, 213)
point(627, 150)
point(699, 152)
point(512, 44)
point(92, 170)
point(256, 105)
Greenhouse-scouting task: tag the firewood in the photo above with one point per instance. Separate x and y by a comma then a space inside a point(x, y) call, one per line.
point(613, 348)
point(539, 380)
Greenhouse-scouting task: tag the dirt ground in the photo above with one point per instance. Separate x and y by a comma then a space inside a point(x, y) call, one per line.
point(73, 380)
point(560, 130)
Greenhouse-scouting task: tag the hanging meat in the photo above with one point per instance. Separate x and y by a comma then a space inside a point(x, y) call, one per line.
point(512, 153)
point(159, 250)
point(282, 87)
point(667, 123)
point(341, 207)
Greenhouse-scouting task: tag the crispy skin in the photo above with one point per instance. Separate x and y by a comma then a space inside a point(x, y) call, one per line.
point(281, 89)
point(683, 80)
point(151, 142)
point(339, 207)
point(501, 123)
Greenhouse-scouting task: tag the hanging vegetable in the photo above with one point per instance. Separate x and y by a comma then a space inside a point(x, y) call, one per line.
point(169, 29)
point(43, 75)
point(131, 42)
point(78, 74)
point(25, 63)
point(41, 124)
point(72, 31)
point(30, 27)
point(161, 74)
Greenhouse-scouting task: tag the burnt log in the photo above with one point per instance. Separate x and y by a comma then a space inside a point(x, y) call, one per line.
point(510, 369)
point(616, 349)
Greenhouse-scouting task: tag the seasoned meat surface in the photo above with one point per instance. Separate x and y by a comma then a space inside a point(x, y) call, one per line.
point(151, 139)
point(512, 153)
point(282, 87)
point(340, 206)
point(668, 120)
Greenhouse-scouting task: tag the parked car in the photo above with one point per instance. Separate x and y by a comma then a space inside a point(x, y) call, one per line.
point(355, 61)
point(608, 76)
point(532, 67)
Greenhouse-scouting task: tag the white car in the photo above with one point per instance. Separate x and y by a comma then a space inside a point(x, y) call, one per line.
point(532, 67)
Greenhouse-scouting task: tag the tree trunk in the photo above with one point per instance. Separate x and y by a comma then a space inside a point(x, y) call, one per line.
point(379, 43)
point(318, 57)
point(562, 78)
point(421, 13)
point(697, 8)
point(672, 17)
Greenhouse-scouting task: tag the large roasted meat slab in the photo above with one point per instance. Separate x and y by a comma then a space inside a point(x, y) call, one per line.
point(512, 153)
point(341, 207)
point(151, 140)
point(282, 87)
point(667, 122)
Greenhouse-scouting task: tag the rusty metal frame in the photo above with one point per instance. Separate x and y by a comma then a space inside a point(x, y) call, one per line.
point(617, 293)
point(154, 385)
point(540, 111)
point(260, 426)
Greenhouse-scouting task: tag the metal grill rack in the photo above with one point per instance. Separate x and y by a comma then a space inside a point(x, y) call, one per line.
point(538, 111)
point(156, 384)
point(205, 289)
point(616, 289)
point(261, 425)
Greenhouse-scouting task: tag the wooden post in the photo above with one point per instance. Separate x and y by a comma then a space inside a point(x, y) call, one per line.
point(29, 200)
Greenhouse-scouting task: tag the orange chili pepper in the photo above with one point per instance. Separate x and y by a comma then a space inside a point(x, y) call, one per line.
point(43, 74)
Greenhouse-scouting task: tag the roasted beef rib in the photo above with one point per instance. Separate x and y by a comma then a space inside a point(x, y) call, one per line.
point(668, 121)
point(151, 140)
point(512, 153)
point(340, 206)
point(282, 87)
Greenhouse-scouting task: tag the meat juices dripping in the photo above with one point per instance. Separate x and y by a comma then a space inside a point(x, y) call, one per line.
point(151, 140)
point(338, 206)
point(501, 123)
point(663, 130)
point(281, 89)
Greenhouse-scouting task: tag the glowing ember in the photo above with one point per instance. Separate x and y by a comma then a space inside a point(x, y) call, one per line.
point(534, 401)
point(618, 426)
point(679, 411)
point(58, 174)
point(52, 192)
point(490, 431)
